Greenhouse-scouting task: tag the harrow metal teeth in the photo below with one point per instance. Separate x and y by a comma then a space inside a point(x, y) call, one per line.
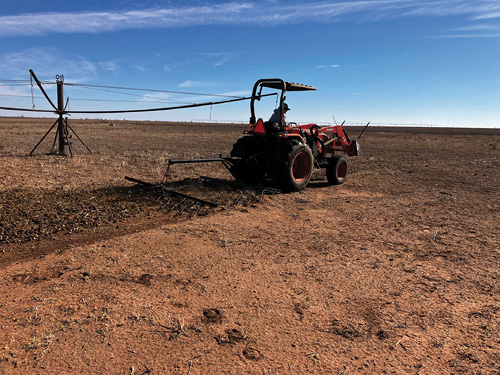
point(179, 204)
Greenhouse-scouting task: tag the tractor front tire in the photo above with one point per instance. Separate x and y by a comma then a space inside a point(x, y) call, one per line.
point(292, 166)
point(337, 170)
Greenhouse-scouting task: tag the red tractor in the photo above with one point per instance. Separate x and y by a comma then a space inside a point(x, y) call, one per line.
point(286, 154)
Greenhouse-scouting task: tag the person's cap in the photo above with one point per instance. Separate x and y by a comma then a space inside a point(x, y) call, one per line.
point(285, 107)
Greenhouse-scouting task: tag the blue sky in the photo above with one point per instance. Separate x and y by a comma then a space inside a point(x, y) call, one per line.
point(433, 62)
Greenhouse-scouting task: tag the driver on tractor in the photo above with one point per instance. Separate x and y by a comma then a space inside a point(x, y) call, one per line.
point(276, 116)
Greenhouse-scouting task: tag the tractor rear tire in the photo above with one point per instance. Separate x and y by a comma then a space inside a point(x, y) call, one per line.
point(292, 166)
point(246, 169)
point(337, 170)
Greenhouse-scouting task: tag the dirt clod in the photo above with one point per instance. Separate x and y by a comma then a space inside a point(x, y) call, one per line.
point(212, 315)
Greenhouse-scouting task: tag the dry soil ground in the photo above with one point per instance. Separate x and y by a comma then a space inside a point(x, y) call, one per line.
point(395, 271)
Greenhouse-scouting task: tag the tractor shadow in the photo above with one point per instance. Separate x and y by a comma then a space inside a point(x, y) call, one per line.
point(318, 184)
point(318, 181)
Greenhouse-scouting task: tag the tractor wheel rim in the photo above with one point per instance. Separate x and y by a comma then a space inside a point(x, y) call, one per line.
point(342, 169)
point(301, 166)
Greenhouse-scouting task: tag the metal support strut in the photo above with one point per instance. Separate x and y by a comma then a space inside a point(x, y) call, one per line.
point(63, 128)
point(225, 160)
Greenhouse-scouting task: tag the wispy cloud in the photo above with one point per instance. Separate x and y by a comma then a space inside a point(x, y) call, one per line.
point(328, 66)
point(109, 65)
point(14, 90)
point(157, 97)
point(223, 60)
point(219, 58)
point(46, 63)
point(495, 13)
point(189, 84)
point(97, 22)
point(194, 98)
point(237, 93)
point(482, 9)
point(263, 13)
point(474, 31)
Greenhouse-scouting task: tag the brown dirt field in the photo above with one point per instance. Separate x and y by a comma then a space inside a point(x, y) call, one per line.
point(394, 272)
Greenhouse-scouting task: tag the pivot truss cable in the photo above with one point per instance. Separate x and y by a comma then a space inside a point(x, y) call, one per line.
point(231, 98)
point(136, 110)
point(133, 110)
point(27, 110)
point(170, 108)
point(151, 90)
point(157, 100)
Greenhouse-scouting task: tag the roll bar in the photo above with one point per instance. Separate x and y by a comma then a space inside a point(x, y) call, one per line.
point(274, 83)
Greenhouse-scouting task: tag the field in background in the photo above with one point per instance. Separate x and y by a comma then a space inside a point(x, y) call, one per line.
point(396, 271)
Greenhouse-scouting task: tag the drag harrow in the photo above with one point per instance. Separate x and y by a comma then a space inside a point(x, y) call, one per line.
point(213, 199)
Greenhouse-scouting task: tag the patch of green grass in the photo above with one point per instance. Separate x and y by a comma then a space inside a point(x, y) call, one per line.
point(53, 151)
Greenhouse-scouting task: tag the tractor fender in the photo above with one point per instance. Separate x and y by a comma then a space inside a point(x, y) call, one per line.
point(293, 136)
